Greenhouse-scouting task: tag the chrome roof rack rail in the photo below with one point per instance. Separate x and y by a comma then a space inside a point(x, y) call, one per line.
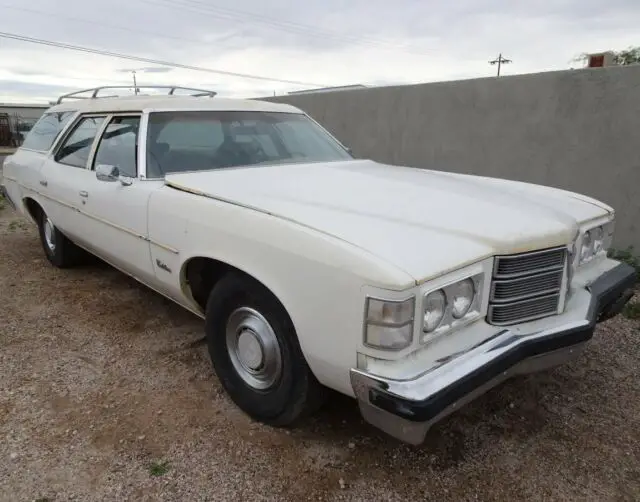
point(170, 91)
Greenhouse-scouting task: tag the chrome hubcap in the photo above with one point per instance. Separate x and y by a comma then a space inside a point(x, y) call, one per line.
point(50, 235)
point(253, 348)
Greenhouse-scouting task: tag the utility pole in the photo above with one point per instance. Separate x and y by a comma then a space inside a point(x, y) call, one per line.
point(500, 61)
point(135, 84)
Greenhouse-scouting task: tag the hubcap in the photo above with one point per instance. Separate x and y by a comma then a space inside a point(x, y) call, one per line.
point(50, 235)
point(253, 348)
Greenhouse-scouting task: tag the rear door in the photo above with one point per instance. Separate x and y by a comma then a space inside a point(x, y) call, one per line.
point(65, 175)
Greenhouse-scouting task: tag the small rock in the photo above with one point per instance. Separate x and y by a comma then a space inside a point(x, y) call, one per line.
point(13, 456)
point(511, 405)
point(74, 432)
point(140, 438)
point(351, 446)
point(343, 485)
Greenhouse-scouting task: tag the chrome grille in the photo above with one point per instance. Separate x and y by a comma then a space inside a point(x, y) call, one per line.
point(526, 286)
point(522, 264)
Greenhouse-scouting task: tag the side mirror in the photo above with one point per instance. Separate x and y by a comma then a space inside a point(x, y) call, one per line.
point(106, 172)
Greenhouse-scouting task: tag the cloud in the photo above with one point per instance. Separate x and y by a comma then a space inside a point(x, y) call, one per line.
point(328, 42)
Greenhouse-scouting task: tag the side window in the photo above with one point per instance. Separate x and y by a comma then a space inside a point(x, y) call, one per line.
point(192, 134)
point(181, 141)
point(45, 131)
point(118, 145)
point(76, 148)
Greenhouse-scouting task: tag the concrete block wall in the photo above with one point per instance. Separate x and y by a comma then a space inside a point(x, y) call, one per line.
point(578, 130)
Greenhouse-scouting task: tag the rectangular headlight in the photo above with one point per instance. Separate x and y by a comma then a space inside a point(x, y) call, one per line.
point(389, 323)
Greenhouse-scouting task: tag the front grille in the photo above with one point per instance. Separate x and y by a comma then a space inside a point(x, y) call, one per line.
point(523, 264)
point(526, 286)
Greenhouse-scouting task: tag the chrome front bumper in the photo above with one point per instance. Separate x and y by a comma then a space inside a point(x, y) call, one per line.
point(406, 409)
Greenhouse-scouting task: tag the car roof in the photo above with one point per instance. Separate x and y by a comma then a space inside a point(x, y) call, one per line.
point(164, 103)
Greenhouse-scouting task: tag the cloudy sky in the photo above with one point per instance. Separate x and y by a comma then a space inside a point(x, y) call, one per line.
point(315, 42)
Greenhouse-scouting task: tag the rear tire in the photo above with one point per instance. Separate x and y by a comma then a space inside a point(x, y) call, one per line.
point(256, 354)
point(58, 249)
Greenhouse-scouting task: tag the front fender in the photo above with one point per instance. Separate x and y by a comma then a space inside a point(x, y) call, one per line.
point(318, 279)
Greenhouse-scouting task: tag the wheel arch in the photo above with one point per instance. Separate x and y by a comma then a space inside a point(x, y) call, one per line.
point(200, 273)
point(33, 208)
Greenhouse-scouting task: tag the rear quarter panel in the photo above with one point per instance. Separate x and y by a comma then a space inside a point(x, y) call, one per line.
point(21, 176)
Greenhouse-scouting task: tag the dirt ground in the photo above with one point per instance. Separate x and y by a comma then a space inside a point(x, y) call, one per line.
point(107, 393)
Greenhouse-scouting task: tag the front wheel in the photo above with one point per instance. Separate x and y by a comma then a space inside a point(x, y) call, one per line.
point(58, 249)
point(256, 355)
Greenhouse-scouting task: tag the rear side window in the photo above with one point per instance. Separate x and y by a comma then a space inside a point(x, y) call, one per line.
point(77, 146)
point(45, 131)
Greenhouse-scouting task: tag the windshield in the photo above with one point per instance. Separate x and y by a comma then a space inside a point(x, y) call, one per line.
point(201, 140)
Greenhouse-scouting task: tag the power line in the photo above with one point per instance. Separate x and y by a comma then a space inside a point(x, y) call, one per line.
point(226, 13)
point(89, 50)
point(108, 25)
point(278, 24)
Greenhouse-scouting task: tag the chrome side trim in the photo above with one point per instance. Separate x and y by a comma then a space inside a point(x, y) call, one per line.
point(166, 247)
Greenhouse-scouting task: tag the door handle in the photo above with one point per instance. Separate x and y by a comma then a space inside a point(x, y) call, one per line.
point(43, 183)
point(84, 194)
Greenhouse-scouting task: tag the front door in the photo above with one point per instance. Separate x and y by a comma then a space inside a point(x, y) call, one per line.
point(116, 211)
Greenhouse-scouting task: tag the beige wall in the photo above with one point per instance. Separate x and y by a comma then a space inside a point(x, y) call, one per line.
point(578, 130)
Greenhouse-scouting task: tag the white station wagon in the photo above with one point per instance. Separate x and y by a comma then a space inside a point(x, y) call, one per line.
point(412, 290)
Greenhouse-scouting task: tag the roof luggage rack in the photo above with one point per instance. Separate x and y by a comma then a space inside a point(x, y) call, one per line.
point(171, 91)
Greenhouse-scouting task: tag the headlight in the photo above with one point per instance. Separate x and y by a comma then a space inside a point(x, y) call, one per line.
point(597, 238)
point(389, 323)
point(462, 297)
point(435, 305)
point(586, 251)
point(596, 241)
point(451, 306)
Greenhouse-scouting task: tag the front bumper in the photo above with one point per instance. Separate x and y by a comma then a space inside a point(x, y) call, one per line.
point(406, 409)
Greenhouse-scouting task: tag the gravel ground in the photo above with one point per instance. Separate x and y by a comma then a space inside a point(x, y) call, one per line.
point(107, 393)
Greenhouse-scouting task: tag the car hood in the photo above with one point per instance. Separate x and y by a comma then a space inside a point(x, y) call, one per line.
point(424, 222)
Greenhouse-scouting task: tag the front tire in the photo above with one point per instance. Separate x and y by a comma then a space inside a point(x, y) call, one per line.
point(256, 355)
point(58, 249)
